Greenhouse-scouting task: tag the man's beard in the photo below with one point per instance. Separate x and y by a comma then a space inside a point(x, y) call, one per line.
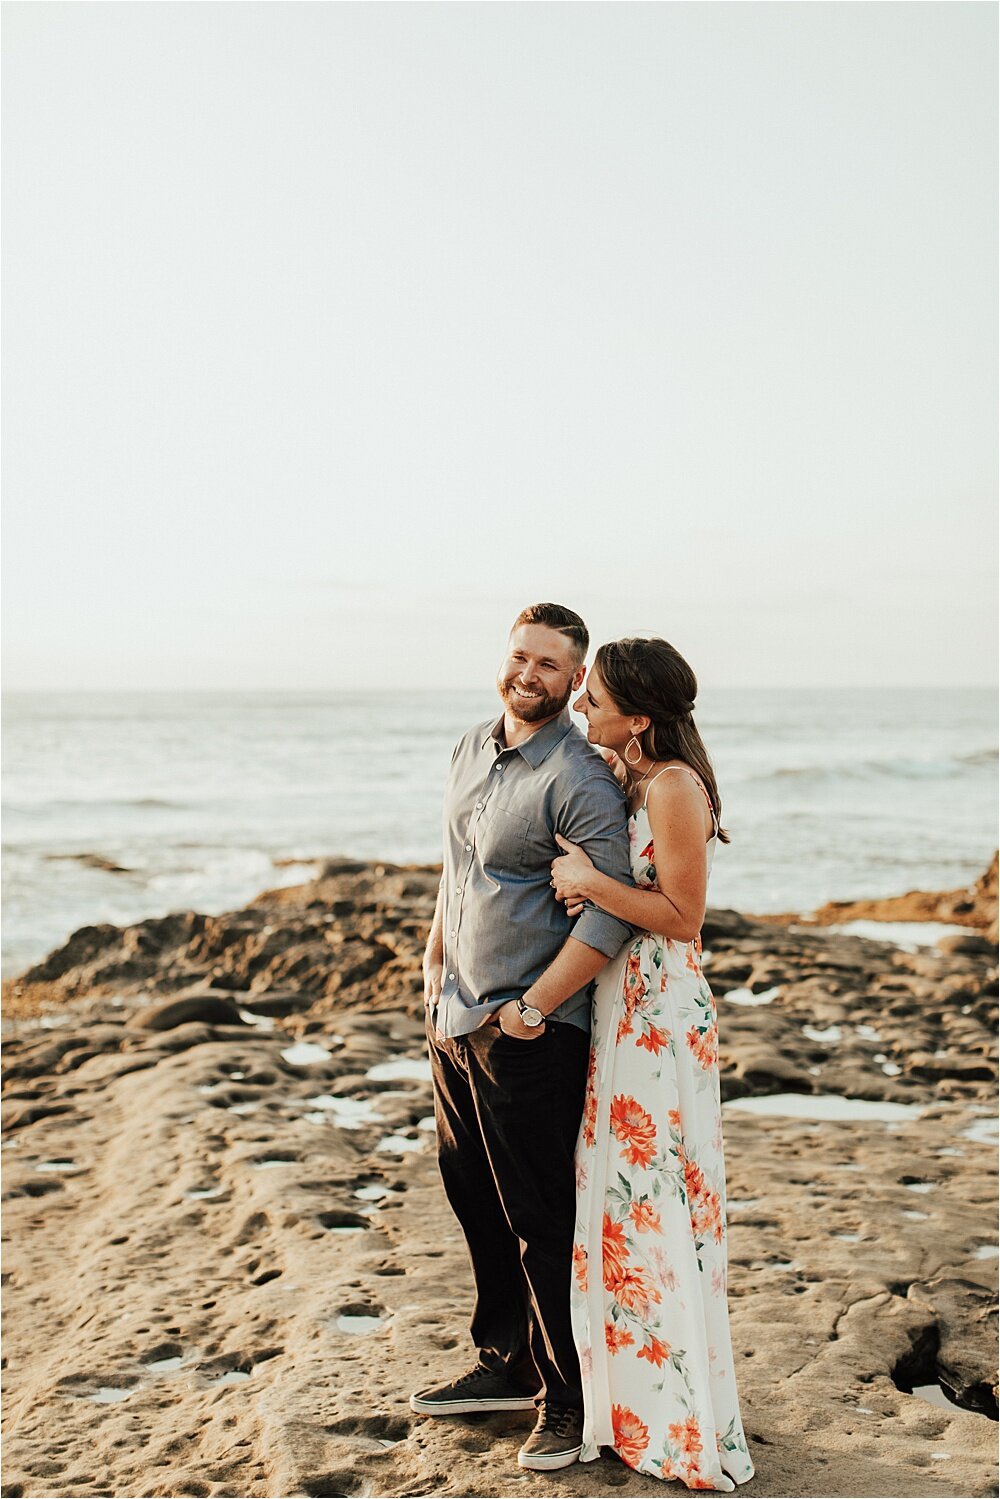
point(535, 709)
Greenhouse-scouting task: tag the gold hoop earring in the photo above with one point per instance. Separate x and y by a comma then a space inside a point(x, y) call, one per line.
point(628, 746)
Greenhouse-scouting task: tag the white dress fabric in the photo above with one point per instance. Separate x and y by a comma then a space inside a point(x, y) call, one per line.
point(649, 1259)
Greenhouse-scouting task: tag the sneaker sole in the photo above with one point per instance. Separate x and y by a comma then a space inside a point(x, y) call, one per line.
point(469, 1407)
point(544, 1462)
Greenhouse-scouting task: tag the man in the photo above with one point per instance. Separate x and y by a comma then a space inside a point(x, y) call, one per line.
point(506, 984)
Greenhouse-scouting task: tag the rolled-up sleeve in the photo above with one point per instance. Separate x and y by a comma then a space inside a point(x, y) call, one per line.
point(595, 818)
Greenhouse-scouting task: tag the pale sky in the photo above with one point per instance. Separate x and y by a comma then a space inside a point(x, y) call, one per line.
point(336, 333)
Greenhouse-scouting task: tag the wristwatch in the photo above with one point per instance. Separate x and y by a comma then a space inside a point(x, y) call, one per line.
point(529, 1014)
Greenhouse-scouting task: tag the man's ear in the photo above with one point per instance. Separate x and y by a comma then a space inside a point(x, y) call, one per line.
point(578, 677)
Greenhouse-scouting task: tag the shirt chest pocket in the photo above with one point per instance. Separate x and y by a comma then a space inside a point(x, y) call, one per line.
point(501, 838)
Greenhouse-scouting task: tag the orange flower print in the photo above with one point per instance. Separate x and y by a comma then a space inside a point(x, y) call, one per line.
point(686, 1436)
point(617, 1338)
point(696, 1480)
point(694, 1179)
point(665, 1273)
point(631, 1436)
point(633, 994)
point(633, 1292)
point(704, 1203)
point(674, 1119)
point(645, 1217)
point(693, 952)
point(635, 984)
point(654, 1351)
point(614, 1250)
point(590, 1102)
point(580, 1266)
point(704, 1045)
point(653, 1040)
point(633, 1128)
point(648, 852)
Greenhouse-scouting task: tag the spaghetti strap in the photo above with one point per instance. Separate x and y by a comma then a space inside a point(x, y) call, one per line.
point(698, 782)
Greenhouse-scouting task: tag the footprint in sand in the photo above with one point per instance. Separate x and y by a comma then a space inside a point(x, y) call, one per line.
point(339, 1220)
point(235, 1368)
point(376, 1433)
point(265, 1276)
point(362, 1317)
point(33, 1189)
point(81, 1387)
point(338, 1483)
point(251, 1229)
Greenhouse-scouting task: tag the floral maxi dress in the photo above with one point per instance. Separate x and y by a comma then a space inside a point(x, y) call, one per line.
point(649, 1258)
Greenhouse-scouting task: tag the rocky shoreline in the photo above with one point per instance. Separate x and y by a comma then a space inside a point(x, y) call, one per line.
point(228, 1257)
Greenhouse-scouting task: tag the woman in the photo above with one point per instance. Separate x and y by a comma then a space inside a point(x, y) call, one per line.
point(649, 1294)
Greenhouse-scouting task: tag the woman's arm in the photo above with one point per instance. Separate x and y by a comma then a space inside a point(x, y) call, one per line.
point(678, 819)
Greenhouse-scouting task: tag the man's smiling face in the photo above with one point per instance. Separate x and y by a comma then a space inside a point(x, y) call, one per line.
point(538, 674)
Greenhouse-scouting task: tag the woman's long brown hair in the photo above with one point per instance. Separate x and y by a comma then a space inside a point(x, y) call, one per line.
point(652, 678)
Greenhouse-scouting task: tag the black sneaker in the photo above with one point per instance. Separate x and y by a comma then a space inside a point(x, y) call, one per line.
point(557, 1439)
point(479, 1390)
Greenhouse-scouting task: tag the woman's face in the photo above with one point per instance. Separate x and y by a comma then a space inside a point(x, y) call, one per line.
point(606, 724)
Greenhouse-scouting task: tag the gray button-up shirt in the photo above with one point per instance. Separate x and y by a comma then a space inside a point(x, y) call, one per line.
point(502, 923)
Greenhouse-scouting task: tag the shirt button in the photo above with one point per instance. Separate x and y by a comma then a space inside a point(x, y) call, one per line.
point(479, 806)
point(468, 848)
point(458, 889)
point(453, 934)
point(451, 975)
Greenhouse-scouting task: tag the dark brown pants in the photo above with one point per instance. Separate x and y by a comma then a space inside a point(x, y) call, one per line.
point(508, 1113)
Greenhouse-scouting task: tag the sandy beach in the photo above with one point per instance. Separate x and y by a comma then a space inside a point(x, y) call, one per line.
point(228, 1259)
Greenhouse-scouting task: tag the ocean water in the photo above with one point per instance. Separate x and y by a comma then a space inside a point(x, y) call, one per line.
point(193, 797)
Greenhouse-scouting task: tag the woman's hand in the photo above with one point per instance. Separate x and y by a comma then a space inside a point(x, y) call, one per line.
point(572, 874)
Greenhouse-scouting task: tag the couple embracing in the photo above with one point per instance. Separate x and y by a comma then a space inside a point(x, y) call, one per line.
point(578, 1122)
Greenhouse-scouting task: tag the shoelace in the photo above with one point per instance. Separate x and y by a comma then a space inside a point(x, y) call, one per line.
point(557, 1418)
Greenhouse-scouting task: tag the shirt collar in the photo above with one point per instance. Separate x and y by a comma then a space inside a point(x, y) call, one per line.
point(539, 745)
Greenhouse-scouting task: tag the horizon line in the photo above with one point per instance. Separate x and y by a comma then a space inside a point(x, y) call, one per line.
point(410, 689)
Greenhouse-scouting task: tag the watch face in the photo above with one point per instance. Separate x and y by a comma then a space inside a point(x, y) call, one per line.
point(531, 1016)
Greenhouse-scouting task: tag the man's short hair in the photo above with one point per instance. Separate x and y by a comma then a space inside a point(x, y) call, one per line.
point(558, 617)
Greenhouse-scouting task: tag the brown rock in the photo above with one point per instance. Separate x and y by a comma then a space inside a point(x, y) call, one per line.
point(206, 1008)
point(966, 1316)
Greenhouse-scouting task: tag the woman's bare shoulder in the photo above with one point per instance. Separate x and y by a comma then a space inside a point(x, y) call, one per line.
point(671, 792)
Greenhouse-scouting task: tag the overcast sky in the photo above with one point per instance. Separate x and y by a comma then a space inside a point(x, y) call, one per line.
point(336, 333)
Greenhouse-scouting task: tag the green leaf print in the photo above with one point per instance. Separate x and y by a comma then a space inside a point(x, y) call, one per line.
point(732, 1440)
point(617, 1204)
